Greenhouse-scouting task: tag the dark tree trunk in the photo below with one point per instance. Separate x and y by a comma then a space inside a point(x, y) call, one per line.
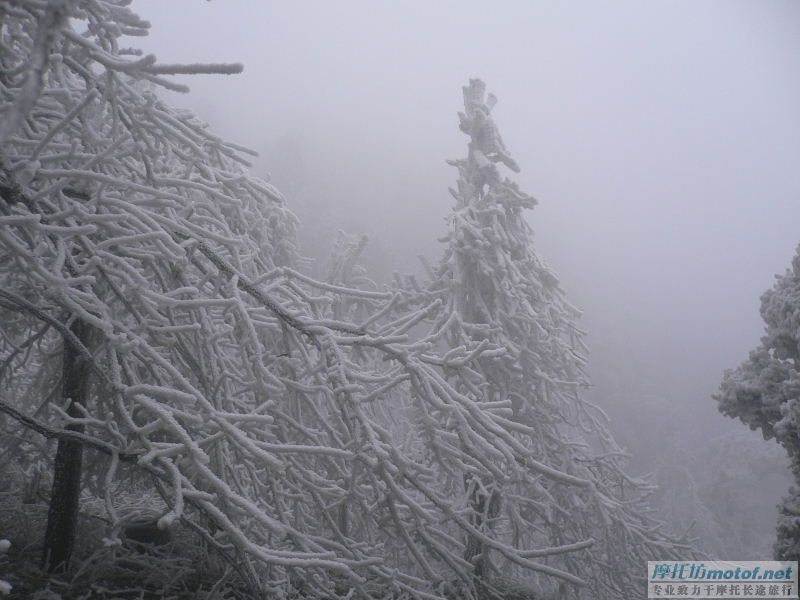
point(485, 507)
point(62, 516)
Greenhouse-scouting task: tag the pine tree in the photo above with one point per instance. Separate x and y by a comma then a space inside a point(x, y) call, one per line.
point(764, 392)
point(581, 512)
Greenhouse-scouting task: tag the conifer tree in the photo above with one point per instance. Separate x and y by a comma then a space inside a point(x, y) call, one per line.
point(764, 392)
point(582, 512)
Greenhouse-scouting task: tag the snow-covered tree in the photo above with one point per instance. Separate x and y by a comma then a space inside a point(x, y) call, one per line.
point(326, 439)
point(109, 197)
point(764, 392)
point(579, 512)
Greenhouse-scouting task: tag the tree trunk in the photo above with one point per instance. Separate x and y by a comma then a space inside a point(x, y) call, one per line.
point(484, 507)
point(62, 515)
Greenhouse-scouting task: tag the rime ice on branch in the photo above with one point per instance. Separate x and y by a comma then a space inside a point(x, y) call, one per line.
point(325, 437)
point(764, 392)
point(568, 502)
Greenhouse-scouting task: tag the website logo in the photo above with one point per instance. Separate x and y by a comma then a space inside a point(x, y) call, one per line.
point(721, 579)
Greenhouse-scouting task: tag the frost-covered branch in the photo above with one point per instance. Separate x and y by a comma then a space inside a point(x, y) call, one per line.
point(338, 435)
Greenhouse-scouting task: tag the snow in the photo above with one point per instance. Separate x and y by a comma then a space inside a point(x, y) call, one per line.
point(331, 427)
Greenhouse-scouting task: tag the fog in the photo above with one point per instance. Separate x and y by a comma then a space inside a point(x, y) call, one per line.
point(661, 140)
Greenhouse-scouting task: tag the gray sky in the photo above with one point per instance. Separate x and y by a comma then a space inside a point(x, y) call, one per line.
point(661, 138)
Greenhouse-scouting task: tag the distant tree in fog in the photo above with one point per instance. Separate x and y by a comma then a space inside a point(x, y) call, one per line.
point(703, 480)
point(764, 392)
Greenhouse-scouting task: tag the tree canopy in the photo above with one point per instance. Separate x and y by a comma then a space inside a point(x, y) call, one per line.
point(764, 392)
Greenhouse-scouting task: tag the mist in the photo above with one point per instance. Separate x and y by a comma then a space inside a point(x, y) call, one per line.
point(660, 139)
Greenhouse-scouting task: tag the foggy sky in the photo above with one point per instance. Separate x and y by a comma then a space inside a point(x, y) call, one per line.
point(661, 140)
